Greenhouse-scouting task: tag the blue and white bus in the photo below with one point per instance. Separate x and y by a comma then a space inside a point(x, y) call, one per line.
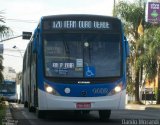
point(76, 62)
point(8, 90)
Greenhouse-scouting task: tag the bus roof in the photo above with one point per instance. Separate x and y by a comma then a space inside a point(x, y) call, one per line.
point(9, 81)
point(79, 16)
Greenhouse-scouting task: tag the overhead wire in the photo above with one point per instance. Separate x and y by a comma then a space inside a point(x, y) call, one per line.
point(13, 50)
point(12, 55)
point(21, 20)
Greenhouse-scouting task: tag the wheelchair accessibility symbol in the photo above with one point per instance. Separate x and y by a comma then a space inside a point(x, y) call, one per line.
point(89, 71)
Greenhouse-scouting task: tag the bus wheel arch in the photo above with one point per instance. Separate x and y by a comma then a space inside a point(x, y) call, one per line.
point(40, 114)
point(25, 104)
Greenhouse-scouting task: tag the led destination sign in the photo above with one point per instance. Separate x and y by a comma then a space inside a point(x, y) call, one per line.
point(80, 25)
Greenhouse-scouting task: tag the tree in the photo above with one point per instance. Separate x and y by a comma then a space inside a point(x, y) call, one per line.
point(1, 69)
point(157, 52)
point(150, 59)
point(4, 32)
point(132, 14)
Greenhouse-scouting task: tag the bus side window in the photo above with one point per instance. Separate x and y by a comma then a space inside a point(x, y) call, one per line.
point(126, 46)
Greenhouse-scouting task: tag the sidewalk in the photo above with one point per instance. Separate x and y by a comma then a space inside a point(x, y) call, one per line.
point(142, 107)
point(8, 120)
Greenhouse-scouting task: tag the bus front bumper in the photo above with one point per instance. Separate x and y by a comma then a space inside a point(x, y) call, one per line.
point(51, 102)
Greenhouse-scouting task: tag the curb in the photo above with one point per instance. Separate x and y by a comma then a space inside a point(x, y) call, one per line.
point(142, 107)
point(152, 108)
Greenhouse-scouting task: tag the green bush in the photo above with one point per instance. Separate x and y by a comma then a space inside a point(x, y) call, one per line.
point(156, 93)
point(2, 99)
point(2, 112)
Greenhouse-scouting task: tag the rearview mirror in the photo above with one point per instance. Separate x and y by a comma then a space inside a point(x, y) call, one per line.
point(35, 40)
point(34, 46)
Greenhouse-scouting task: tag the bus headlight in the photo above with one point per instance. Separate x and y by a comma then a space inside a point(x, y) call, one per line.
point(49, 89)
point(116, 90)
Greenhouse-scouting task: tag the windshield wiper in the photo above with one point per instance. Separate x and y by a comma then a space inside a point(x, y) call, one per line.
point(66, 48)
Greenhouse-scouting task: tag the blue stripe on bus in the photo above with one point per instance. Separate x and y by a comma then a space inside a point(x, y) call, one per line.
point(81, 90)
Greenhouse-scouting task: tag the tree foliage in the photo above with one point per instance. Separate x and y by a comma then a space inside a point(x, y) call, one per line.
point(145, 49)
point(4, 32)
point(150, 59)
point(132, 14)
point(151, 52)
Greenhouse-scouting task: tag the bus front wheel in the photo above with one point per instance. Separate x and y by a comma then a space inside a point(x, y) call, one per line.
point(104, 114)
point(25, 104)
point(40, 114)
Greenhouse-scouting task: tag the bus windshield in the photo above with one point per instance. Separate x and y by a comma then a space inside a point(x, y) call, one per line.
point(82, 55)
point(8, 87)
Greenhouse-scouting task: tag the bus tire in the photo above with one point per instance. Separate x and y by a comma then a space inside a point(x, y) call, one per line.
point(30, 108)
point(40, 114)
point(104, 115)
point(25, 104)
point(77, 113)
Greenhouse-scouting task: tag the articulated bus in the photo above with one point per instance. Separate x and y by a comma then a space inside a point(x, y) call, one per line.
point(76, 62)
point(8, 90)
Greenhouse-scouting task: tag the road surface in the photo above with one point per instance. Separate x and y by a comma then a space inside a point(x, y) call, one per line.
point(133, 115)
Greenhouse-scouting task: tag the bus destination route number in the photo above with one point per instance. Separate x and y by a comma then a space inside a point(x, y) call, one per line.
point(81, 25)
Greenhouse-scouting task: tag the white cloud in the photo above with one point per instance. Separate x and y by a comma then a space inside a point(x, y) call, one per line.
point(34, 9)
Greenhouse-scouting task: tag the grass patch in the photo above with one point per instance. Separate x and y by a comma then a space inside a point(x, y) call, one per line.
point(2, 112)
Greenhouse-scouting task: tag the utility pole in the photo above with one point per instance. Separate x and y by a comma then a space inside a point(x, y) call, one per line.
point(114, 7)
point(15, 47)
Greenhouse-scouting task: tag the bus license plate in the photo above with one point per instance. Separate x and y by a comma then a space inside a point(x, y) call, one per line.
point(83, 105)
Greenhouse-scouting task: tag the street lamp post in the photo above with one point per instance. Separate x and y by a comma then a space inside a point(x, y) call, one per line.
point(15, 47)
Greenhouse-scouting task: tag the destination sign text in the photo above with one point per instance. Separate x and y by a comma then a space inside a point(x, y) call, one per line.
point(81, 25)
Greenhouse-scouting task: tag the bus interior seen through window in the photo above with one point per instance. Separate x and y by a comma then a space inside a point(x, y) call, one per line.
point(82, 55)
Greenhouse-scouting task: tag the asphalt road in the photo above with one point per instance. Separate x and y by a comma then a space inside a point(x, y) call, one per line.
point(138, 116)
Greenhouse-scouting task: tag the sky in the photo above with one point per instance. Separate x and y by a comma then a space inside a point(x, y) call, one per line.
point(24, 15)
